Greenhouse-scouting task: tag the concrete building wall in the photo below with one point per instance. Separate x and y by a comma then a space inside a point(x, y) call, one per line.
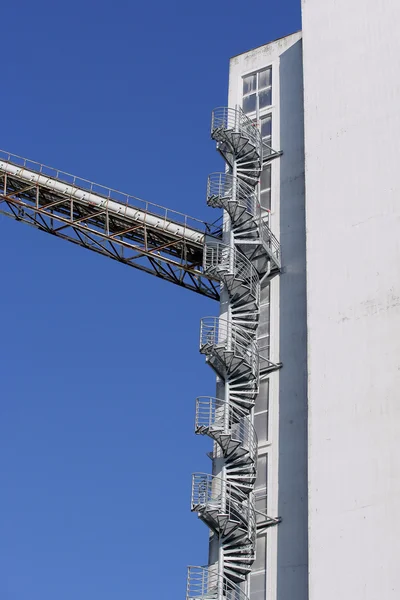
point(352, 143)
point(281, 571)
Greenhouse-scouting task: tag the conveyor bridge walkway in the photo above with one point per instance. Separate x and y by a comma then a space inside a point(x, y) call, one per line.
point(152, 238)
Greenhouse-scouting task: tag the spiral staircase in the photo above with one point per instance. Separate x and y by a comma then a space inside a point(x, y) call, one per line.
point(252, 234)
point(236, 437)
point(248, 254)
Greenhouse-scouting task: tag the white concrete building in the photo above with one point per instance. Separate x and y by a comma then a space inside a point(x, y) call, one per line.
point(352, 130)
point(328, 449)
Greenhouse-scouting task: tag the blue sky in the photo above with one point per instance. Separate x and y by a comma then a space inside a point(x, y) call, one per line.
point(99, 363)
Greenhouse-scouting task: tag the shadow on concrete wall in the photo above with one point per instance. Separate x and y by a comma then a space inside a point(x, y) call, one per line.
point(293, 506)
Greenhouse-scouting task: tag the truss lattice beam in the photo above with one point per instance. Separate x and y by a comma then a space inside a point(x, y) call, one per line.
point(149, 237)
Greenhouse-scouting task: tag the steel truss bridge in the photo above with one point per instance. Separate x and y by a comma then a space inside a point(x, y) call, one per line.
point(228, 260)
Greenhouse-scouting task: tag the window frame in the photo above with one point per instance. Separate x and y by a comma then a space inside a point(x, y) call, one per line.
point(257, 91)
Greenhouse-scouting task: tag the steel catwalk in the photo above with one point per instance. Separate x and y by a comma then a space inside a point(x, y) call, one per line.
point(143, 235)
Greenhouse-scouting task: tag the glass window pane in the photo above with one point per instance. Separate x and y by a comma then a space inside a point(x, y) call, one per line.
point(261, 553)
point(267, 146)
point(263, 327)
point(265, 200)
point(249, 84)
point(263, 346)
point(261, 481)
point(265, 181)
point(265, 289)
point(261, 506)
point(263, 397)
point(266, 126)
point(261, 426)
point(258, 586)
point(261, 501)
point(249, 103)
point(264, 78)
point(265, 98)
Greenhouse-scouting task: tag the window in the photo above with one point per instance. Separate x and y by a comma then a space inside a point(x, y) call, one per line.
point(258, 586)
point(261, 481)
point(257, 95)
point(260, 489)
point(257, 89)
point(261, 404)
point(264, 348)
point(266, 129)
point(258, 574)
point(249, 93)
point(261, 411)
point(265, 294)
point(261, 426)
point(261, 553)
point(261, 505)
point(265, 184)
point(264, 326)
point(265, 188)
point(266, 133)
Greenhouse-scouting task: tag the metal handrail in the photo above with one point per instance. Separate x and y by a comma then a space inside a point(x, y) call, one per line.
point(234, 119)
point(109, 194)
point(221, 259)
point(204, 583)
point(213, 493)
point(226, 186)
point(216, 413)
point(271, 241)
point(220, 333)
